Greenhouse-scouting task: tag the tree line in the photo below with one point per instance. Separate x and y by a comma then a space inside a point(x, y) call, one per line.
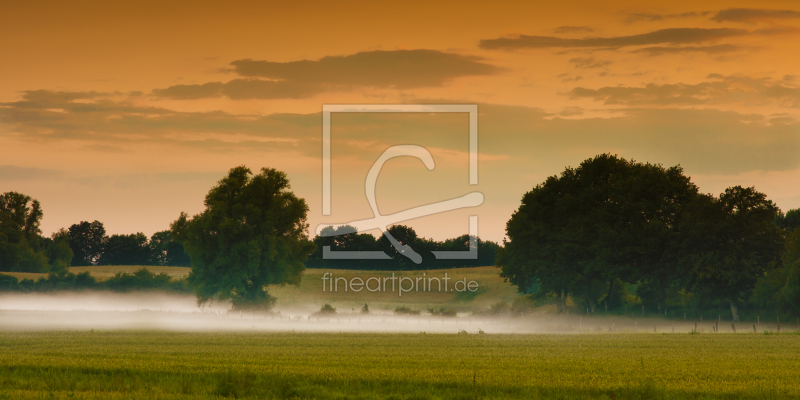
point(613, 233)
point(140, 280)
point(24, 249)
point(345, 238)
point(608, 234)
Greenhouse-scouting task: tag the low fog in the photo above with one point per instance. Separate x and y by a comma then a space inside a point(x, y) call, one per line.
point(153, 311)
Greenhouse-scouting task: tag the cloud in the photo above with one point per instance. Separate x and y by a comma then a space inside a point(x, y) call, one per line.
point(238, 89)
point(109, 126)
point(565, 77)
point(717, 90)
point(13, 173)
point(753, 15)
point(672, 36)
point(636, 17)
point(573, 29)
point(399, 69)
point(571, 111)
point(588, 62)
point(716, 49)
point(703, 141)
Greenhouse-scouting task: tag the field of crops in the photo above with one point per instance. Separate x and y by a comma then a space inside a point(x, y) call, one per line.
point(137, 365)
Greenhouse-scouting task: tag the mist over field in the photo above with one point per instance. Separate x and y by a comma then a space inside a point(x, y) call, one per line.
point(156, 311)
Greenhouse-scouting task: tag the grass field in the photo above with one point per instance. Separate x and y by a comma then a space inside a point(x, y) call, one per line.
point(309, 293)
point(103, 272)
point(164, 365)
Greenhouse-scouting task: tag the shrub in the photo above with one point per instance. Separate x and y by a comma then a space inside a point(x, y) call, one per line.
point(403, 310)
point(327, 309)
point(8, 283)
point(500, 308)
point(442, 312)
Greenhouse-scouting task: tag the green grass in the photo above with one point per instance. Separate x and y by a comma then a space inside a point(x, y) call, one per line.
point(166, 365)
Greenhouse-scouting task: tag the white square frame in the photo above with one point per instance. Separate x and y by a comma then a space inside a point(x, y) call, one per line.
point(327, 109)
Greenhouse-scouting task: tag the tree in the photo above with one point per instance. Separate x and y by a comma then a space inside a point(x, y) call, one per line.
point(729, 243)
point(86, 241)
point(344, 238)
point(20, 216)
point(167, 251)
point(253, 233)
point(20, 240)
point(59, 254)
point(405, 235)
point(132, 249)
point(609, 220)
point(790, 220)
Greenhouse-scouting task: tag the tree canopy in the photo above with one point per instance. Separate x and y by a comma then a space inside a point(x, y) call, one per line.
point(253, 233)
point(613, 222)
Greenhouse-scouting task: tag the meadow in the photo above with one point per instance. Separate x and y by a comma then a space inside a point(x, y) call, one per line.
point(173, 365)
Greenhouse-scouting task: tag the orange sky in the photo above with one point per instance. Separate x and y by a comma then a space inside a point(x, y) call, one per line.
point(128, 112)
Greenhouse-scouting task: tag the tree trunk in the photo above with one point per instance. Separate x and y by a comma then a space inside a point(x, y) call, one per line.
point(662, 294)
point(561, 303)
point(610, 293)
point(734, 310)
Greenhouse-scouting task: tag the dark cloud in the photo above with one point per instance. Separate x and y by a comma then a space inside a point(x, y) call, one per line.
point(717, 90)
point(588, 62)
point(753, 15)
point(637, 17)
point(715, 50)
point(672, 36)
point(400, 69)
point(573, 29)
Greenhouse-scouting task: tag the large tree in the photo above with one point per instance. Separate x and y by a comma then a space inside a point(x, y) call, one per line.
point(252, 234)
point(581, 233)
